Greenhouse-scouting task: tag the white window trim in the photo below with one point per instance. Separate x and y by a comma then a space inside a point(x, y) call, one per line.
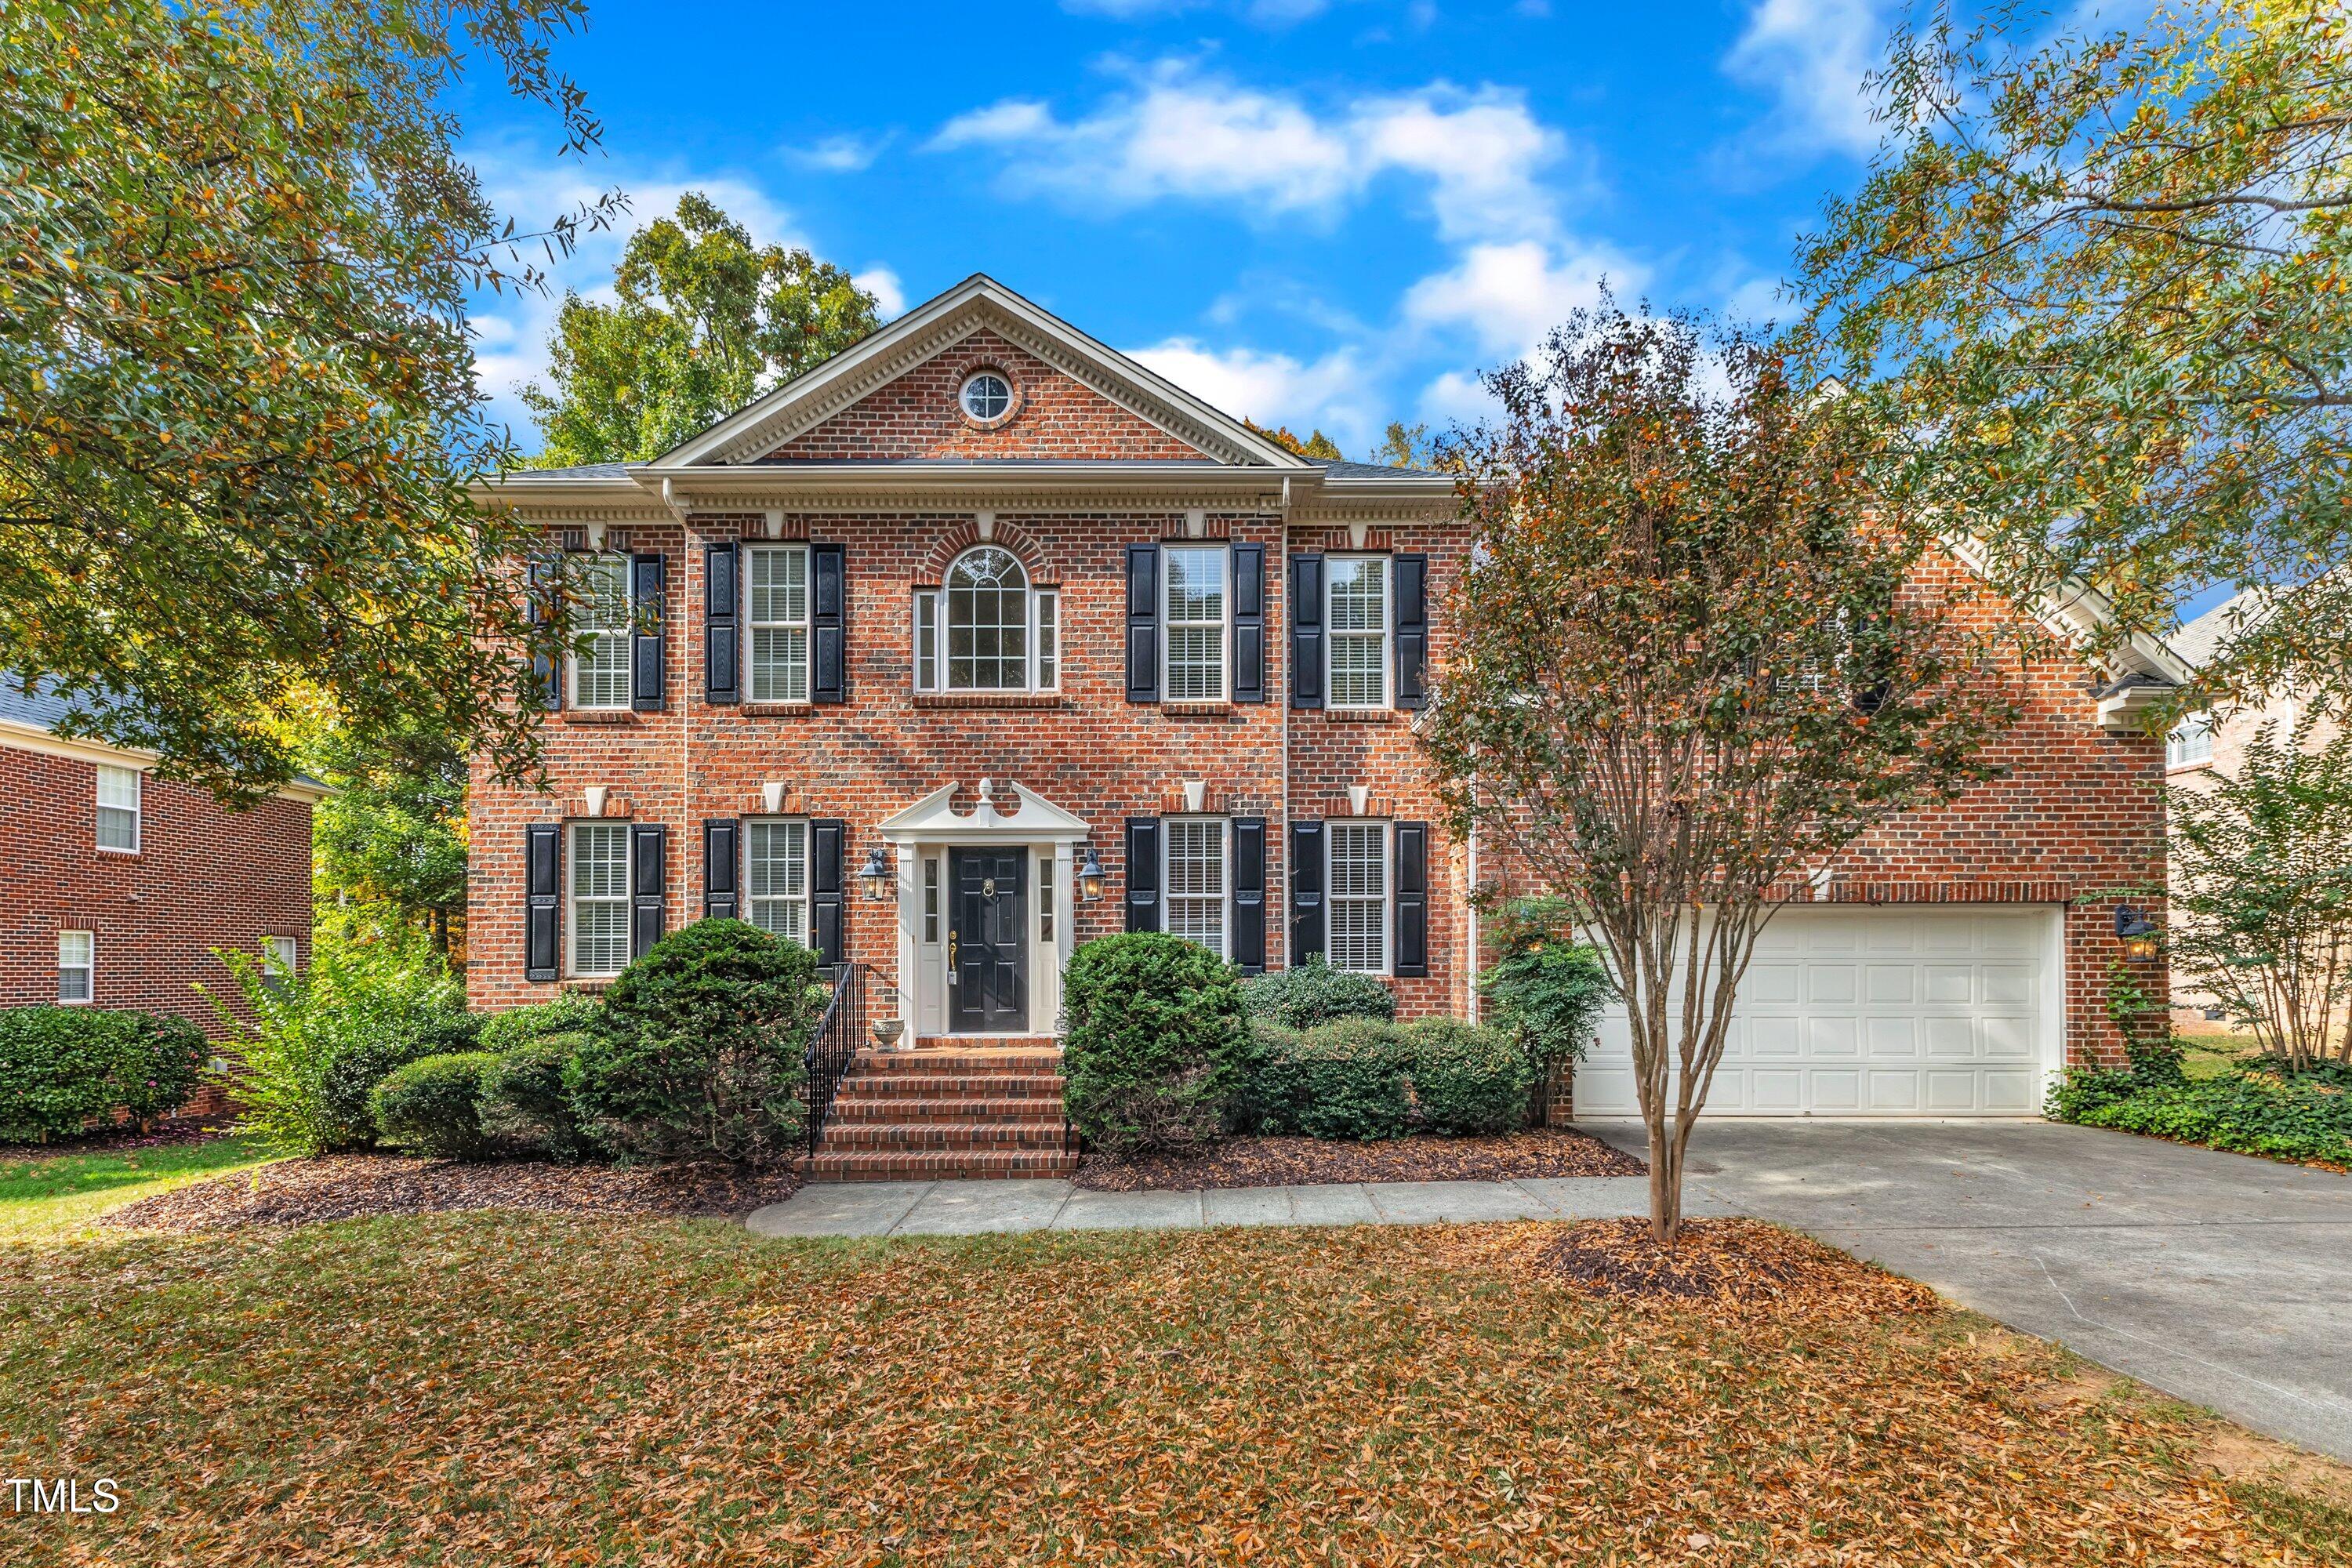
point(963, 395)
point(1225, 624)
point(87, 970)
point(1387, 891)
point(805, 626)
point(1332, 636)
point(751, 899)
point(1224, 825)
point(573, 898)
point(138, 808)
point(1047, 913)
point(931, 672)
point(2184, 749)
point(571, 659)
point(931, 901)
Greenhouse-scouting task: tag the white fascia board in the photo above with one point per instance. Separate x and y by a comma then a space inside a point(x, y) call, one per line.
point(2078, 612)
point(26, 737)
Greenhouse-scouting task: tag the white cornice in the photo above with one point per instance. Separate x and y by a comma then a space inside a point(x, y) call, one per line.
point(2081, 616)
point(27, 737)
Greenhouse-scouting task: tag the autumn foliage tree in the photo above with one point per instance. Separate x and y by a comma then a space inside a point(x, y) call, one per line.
point(1692, 659)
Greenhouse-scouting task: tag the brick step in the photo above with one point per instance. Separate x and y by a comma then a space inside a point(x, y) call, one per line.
point(949, 1086)
point(988, 1042)
point(843, 1137)
point(898, 1064)
point(912, 1111)
point(938, 1165)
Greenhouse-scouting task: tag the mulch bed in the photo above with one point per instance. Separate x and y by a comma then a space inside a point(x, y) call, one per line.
point(1736, 1263)
point(348, 1186)
point(115, 1139)
point(1296, 1161)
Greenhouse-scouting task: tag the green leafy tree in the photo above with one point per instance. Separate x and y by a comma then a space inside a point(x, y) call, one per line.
point(1318, 445)
point(1693, 660)
point(391, 842)
point(705, 321)
point(238, 410)
point(2102, 278)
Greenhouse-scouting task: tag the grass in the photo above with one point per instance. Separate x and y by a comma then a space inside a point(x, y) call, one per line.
point(55, 1197)
point(512, 1388)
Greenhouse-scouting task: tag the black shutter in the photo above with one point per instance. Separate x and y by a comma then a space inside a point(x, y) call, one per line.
point(1306, 891)
point(645, 646)
point(1143, 873)
point(1249, 894)
point(649, 854)
point(543, 919)
point(1307, 634)
point(1142, 626)
point(828, 931)
point(1412, 900)
point(828, 642)
point(1249, 623)
point(1410, 575)
point(719, 860)
point(546, 671)
point(722, 635)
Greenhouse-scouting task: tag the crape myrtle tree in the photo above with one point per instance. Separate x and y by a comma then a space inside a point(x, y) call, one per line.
point(2103, 277)
point(238, 410)
point(1693, 661)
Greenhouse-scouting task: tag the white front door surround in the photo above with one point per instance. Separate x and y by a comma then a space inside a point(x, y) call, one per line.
point(920, 839)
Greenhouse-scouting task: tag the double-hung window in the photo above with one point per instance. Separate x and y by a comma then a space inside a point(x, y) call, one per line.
point(1357, 612)
point(76, 967)
point(1192, 604)
point(2191, 742)
point(600, 654)
point(1358, 878)
point(600, 899)
point(777, 578)
point(985, 629)
point(775, 863)
point(1194, 879)
point(117, 808)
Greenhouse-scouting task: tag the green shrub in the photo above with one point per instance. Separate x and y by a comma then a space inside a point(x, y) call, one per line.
point(1347, 1081)
point(1545, 985)
point(567, 1013)
point(1157, 1042)
point(163, 1067)
point(64, 1067)
point(2298, 1117)
point(523, 1101)
point(1467, 1078)
point(1313, 993)
point(700, 1053)
point(432, 1105)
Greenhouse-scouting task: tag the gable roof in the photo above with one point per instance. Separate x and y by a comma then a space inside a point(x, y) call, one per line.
point(2201, 639)
point(30, 718)
point(935, 326)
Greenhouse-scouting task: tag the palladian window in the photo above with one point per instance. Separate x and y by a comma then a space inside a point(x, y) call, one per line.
point(986, 629)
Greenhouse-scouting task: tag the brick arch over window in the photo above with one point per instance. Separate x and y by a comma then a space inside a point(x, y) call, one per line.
point(1007, 536)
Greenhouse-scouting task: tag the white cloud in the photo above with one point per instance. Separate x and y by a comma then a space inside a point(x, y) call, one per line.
point(1757, 300)
point(890, 294)
point(1508, 296)
point(842, 155)
point(1180, 134)
point(1811, 56)
point(1330, 392)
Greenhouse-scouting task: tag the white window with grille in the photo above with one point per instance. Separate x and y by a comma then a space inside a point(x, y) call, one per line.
point(76, 967)
point(1193, 880)
point(600, 655)
point(777, 583)
point(117, 808)
point(987, 628)
point(281, 954)
point(600, 899)
point(2190, 742)
point(1358, 896)
point(775, 865)
point(1357, 615)
point(1192, 612)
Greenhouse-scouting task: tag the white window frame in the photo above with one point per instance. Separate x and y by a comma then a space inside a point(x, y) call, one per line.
point(963, 395)
point(752, 899)
point(2190, 741)
point(282, 954)
point(1224, 623)
point(754, 625)
point(604, 636)
point(1042, 647)
point(931, 900)
point(1224, 897)
point(573, 898)
point(1332, 832)
point(137, 808)
point(1386, 635)
point(1046, 896)
point(87, 969)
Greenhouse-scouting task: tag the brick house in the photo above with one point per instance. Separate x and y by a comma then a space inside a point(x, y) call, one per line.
point(982, 640)
point(124, 888)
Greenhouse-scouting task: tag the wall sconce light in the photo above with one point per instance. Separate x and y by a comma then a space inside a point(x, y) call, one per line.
point(2136, 933)
point(1090, 877)
point(876, 876)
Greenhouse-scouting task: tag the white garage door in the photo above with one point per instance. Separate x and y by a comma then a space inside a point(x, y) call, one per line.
point(1887, 1011)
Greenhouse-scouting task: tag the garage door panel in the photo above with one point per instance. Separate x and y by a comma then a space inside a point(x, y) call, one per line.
point(1890, 1039)
point(1829, 981)
point(2008, 984)
point(1950, 985)
point(1774, 1040)
point(2006, 1039)
point(2011, 1094)
point(1834, 1091)
point(1953, 1092)
point(1894, 1090)
point(1949, 1039)
point(1774, 1091)
point(1891, 982)
point(1771, 984)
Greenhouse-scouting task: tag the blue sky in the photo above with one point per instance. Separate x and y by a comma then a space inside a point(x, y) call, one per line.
point(1319, 213)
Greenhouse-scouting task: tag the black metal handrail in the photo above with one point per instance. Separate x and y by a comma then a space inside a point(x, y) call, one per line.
point(834, 1043)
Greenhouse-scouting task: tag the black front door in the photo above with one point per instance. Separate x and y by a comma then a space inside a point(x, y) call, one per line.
point(988, 941)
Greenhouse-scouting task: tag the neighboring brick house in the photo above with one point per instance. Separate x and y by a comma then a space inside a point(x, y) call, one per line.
point(122, 888)
point(982, 640)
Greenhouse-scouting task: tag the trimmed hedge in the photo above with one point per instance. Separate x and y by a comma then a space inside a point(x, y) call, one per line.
point(570, 1011)
point(1157, 1042)
point(523, 1102)
point(64, 1067)
point(1467, 1080)
point(1361, 1079)
point(432, 1105)
point(355, 1062)
point(1313, 993)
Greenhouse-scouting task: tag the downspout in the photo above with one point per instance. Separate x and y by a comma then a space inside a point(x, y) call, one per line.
point(1282, 568)
point(1470, 914)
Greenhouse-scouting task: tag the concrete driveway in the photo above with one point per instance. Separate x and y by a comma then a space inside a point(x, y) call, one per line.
point(2221, 1278)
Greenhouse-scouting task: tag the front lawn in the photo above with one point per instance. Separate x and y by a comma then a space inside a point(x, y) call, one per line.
point(49, 1196)
point(525, 1388)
